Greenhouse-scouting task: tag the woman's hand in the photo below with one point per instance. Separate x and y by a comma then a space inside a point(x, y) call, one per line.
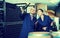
point(52, 23)
point(44, 28)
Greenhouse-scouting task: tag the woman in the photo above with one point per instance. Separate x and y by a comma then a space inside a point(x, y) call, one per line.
point(52, 15)
point(43, 22)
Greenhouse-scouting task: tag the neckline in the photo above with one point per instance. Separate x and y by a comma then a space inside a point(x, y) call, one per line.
point(43, 19)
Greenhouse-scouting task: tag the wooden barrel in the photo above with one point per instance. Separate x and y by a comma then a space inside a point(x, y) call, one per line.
point(39, 35)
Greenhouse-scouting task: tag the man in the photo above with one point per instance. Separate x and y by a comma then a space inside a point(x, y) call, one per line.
point(28, 23)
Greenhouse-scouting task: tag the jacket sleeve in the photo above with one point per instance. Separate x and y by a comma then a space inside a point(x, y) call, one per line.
point(22, 16)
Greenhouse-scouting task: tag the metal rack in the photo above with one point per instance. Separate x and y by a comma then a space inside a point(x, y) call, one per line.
point(2, 17)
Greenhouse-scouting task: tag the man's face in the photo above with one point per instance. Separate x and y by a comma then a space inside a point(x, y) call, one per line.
point(32, 10)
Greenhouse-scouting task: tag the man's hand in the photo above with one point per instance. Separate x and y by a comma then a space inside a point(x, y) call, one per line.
point(44, 28)
point(36, 23)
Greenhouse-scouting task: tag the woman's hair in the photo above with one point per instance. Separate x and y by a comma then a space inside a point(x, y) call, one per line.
point(41, 10)
point(51, 12)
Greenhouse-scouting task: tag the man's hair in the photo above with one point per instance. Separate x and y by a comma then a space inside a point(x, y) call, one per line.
point(41, 9)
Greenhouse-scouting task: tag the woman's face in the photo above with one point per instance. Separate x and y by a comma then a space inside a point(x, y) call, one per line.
point(39, 12)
